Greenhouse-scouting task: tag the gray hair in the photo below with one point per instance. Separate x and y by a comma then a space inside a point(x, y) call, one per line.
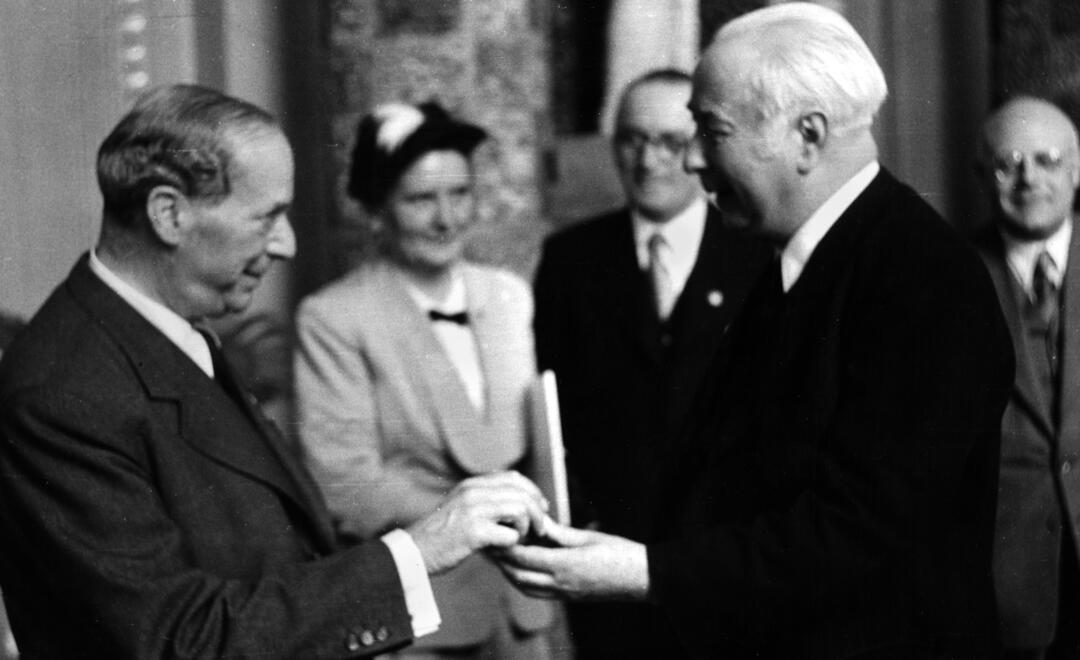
point(808, 58)
point(177, 135)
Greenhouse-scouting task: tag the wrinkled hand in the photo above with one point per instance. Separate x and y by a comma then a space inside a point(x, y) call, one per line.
point(494, 510)
point(585, 565)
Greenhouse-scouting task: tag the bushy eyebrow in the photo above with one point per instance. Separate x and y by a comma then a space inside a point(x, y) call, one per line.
point(279, 209)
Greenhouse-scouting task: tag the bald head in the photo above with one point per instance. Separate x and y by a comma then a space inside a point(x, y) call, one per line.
point(1029, 158)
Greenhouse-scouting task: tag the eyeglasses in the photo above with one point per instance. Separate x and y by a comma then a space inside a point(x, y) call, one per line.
point(670, 144)
point(1006, 165)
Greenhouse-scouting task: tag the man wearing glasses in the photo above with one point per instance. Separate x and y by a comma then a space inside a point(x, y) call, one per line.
point(1030, 164)
point(630, 309)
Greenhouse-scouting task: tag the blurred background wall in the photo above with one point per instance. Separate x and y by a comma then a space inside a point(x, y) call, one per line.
point(534, 72)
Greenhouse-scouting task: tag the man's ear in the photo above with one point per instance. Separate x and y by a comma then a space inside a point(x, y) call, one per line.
point(813, 129)
point(165, 209)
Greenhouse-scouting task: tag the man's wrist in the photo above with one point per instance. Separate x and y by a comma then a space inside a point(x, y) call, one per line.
point(415, 584)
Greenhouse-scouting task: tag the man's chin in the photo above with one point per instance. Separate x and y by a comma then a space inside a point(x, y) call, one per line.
point(730, 213)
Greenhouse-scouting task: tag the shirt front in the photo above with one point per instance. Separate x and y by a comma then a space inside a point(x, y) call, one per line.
point(1022, 255)
point(682, 235)
point(801, 246)
point(457, 340)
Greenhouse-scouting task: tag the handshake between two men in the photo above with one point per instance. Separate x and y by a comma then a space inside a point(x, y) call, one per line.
point(505, 514)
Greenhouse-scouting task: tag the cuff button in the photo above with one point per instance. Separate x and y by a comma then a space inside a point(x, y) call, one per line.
point(352, 644)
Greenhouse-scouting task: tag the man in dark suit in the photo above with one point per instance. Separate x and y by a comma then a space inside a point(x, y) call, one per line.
point(630, 308)
point(838, 497)
point(148, 508)
point(1031, 166)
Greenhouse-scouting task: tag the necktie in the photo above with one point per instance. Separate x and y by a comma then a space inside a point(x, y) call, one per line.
point(461, 318)
point(222, 373)
point(1046, 304)
point(660, 275)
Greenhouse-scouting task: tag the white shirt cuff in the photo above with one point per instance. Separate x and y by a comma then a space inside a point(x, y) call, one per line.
point(419, 599)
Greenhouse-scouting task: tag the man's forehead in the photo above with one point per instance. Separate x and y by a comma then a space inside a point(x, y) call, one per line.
point(1024, 124)
point(706, 106)
point(712, 92)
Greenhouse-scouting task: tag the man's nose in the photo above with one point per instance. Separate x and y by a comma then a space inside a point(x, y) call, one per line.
point(282, 239)
point(694, 159)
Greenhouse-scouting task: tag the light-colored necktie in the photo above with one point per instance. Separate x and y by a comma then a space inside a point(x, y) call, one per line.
point(660, 274)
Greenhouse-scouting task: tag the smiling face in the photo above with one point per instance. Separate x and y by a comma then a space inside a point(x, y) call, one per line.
point(1031, 164)
point(429, 212)
point(744, 166)
point(229, 245)
point(652, 130)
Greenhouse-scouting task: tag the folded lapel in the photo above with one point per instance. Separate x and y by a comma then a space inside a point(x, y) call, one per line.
point(703, 306)
point(1028, 392)
point(1070, 332)
point(501, 440)
point(306, 493)
point(208, 418)
point(624, 291)
point(436, 378)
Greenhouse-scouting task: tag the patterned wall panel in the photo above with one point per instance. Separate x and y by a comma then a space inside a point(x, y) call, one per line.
point(485, 60)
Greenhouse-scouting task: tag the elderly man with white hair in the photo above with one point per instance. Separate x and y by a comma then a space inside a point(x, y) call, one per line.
point(838, 497)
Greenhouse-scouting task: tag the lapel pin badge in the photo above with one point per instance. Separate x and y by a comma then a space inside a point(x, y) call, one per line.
point(715, 298)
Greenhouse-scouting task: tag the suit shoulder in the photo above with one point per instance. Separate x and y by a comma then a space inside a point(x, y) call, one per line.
point(499, 284)
point(67, 367)
point(908, 241)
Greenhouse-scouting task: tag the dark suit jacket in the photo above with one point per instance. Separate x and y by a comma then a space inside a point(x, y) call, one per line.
point(843, 500)
point(1039, 487)
point(626, 384)
point(625, 381)
point(147, 514)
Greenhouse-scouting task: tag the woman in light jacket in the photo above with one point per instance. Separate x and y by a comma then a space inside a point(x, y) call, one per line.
point(411, 371)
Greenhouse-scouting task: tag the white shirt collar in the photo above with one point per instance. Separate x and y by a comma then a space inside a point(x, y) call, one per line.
point(1022, 255)
point(175, 327)
point(682, 233)
point(797, 252)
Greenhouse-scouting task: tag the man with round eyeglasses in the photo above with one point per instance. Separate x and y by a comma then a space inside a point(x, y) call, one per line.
point(630, 309)
point(1031, 168)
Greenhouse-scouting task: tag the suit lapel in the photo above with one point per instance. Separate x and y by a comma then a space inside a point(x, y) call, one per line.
point(437, 380)
point(624, 292)
point(1028, 392)
point(702, 309)
point(227, 431)
point(1070, 325)
point(489, 331)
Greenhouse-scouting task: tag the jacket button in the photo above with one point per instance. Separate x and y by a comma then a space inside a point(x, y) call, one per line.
point(1066, 467)
point(352, 644)
point(367, 638)
point(382, 634)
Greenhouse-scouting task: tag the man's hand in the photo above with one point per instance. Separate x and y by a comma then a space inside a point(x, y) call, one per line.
point(494, 510)
point(586, 565)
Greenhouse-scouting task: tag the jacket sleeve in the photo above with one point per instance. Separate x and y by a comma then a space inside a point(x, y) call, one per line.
point(92, 551)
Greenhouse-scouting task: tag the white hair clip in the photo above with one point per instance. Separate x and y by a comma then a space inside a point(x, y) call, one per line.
point(397, 121)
